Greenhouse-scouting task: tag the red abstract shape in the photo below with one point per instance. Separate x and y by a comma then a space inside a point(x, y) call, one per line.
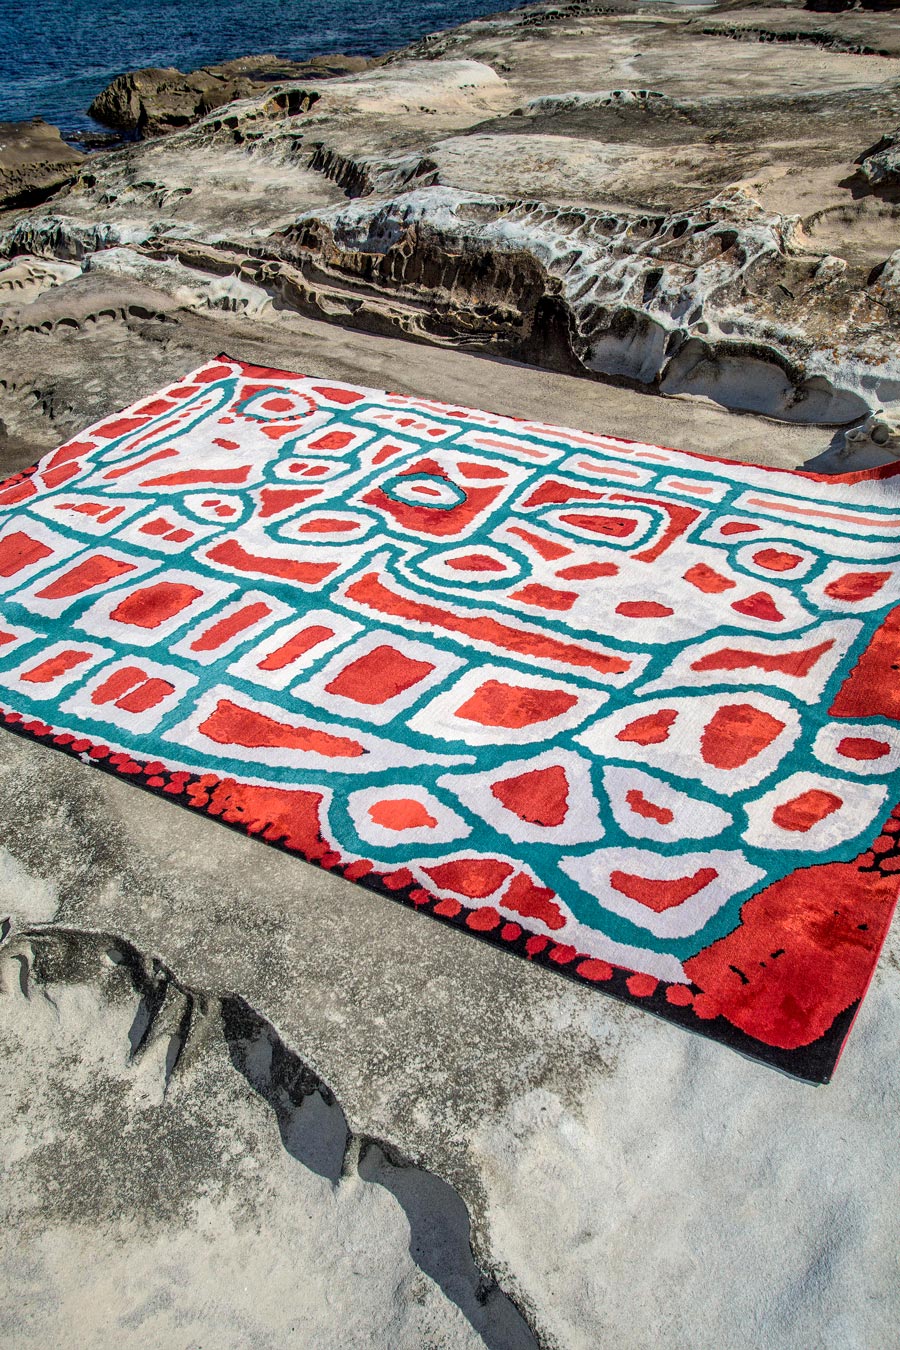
point(120, 427)
point(232, 554)
point(471, 470)
point(370, 591)
point(639, 804)
point(872, 688)
point(225, 629)
point(587, 571)
point(862, 747)
point(117, 684)
point(679, 995)
point(230, 724)
point(54, 666)
point(380, 675)
point(483, 920)
point(295, 647)
point(337, 395)
point(642, 986)
point(94, 571)
point(476, 878)
point(530, 901)
point(554, 493)
point(332, 440)
point(661, 895)
point(776, 560)
point(74, 450)
point(737, 733)
point(739, 527)
point(18, 550)
point(130, 467)
point(760, 605)
point(801, 813)
point(708, 580)
point(328, 525)
point(539, 797)
point(643, 609)
point(801, 955)
point(401, 813)
point(151, 606)
point(595, 970)
point(55, 477)
point(213, 373)
point(17, 492)
point(275, 500)
point(857, 585)
point(797, 663)
point(514, 706)
point(650, 730)
point(159, 525)
point(476, 562)
point(200, 477)
point(545, 597)
point(387, 452)
point(616, 527)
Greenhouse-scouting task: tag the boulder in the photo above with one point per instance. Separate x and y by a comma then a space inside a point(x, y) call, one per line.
point(35, 162)
point(157, 100)
point(879, 166)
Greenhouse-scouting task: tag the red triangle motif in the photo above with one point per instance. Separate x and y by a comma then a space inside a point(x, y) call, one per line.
point(539, 797)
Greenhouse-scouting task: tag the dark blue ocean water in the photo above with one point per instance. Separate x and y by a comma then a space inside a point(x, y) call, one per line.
point(55, 55)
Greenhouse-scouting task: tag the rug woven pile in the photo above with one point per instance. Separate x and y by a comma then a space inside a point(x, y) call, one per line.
point(630, 712)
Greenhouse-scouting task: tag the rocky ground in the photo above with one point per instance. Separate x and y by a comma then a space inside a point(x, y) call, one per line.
point(251, 1103)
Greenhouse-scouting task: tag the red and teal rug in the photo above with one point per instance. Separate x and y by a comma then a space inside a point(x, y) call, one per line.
point(629, 712)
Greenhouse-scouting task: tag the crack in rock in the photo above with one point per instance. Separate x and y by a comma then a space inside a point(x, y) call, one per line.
point(174, 1025)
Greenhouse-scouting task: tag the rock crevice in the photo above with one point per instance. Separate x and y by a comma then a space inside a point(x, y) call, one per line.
point(173, 1029)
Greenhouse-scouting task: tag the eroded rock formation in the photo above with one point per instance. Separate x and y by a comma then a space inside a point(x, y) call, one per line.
point(35, 162)
point(596, 190)
point(154, 101)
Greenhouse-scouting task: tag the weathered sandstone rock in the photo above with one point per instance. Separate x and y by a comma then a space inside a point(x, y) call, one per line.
point(35, 162)
point(154, 101)
point(880, 166)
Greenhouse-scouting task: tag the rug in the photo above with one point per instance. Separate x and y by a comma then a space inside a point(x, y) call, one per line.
point(629, 712)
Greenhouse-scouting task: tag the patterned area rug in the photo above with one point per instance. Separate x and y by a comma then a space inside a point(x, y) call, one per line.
point(629, 712)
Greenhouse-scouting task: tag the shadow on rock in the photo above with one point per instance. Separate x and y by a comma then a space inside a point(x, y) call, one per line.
point(314, 1130)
